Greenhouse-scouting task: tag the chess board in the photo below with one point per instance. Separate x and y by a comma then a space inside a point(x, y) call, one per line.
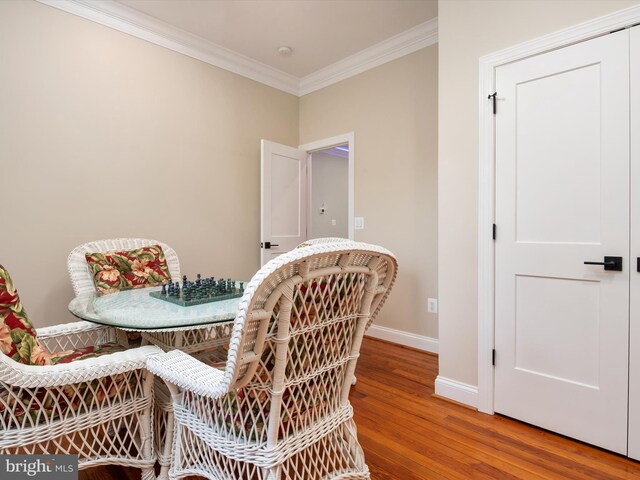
point(199, 291)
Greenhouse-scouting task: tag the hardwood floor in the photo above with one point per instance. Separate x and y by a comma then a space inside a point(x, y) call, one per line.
point(408, 434)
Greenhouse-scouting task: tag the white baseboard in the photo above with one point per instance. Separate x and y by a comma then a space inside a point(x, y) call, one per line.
point(457, 391)
point(407, 339)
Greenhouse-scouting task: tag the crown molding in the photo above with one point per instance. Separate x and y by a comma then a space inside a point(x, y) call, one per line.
point(404, 43)
point(128, 20)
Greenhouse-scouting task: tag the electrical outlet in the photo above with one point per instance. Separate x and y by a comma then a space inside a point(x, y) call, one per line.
point(359, 223)
point(432, 305)
point(333, 222)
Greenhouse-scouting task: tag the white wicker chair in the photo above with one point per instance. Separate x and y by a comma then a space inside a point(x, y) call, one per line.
point(279, 408)
point(192, 341)
point(82, 281)
point(98, 408)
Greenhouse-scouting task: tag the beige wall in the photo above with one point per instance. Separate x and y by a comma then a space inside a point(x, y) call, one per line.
point(329, 187)
point(469, 29)
point(393, 111)
point(105, 135)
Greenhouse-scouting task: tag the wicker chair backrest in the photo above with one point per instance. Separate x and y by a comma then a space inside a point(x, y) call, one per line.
point(377, 305)
point(322, 240)
point(81, 277)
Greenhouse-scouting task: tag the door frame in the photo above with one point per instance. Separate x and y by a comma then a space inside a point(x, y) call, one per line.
point(486, 175)
point(346, 138)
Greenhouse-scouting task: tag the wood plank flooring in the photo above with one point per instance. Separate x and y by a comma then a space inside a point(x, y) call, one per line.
point(408, 434)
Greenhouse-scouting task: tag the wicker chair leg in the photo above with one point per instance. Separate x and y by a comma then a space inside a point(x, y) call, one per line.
point(164, 473)
point(272, 473)
point(122, 338)
point(171, 447)
point(167, 447)
point(148, 474)
point(176, 471)
point(146, 436)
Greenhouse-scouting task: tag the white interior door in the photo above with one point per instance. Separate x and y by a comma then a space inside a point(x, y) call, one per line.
point(634, 328)
point(283, 205)
point(562, 198)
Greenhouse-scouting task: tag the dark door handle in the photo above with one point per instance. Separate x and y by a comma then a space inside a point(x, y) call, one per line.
point(610, 263)
point(268, 245)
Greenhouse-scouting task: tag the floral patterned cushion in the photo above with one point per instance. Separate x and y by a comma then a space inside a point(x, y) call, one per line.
point(115, 271)
point(17, 336)
point(91, 351)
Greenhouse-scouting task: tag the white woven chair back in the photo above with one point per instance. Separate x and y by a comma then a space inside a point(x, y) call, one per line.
point(297, 337)
point(321, 240)
point(377, 305)
point(81, 277)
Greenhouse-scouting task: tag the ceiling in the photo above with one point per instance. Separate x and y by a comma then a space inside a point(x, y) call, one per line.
point(320, 32)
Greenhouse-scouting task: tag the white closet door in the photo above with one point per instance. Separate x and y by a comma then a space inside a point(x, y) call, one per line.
point(634, 330)
point(562, 198)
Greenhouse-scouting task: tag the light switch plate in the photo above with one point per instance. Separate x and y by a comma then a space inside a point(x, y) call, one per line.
point(432, 305)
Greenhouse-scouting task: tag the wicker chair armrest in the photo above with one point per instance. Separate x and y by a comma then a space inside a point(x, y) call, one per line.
point(68, 329)
point(33, 376)
point(69, 336)
point(188, 373)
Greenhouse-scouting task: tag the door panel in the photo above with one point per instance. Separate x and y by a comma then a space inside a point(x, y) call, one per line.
point(548, 311)
point(562, 198)
point(283, 205)
point(552, 119)
point(286, 189)
point(634, 330)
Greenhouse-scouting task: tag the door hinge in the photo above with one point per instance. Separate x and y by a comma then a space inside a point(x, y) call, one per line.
point(495, 229)
point(493, 357)
point(493, 97)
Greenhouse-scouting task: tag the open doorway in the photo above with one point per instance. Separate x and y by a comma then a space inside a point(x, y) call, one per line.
point(287, 202)
point(331, 183)
point(329, 192)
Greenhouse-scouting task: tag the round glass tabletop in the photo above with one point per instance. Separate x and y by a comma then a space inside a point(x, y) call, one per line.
point(136, 310)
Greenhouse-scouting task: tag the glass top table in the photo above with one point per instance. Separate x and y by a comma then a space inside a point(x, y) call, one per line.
point(136, 310)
